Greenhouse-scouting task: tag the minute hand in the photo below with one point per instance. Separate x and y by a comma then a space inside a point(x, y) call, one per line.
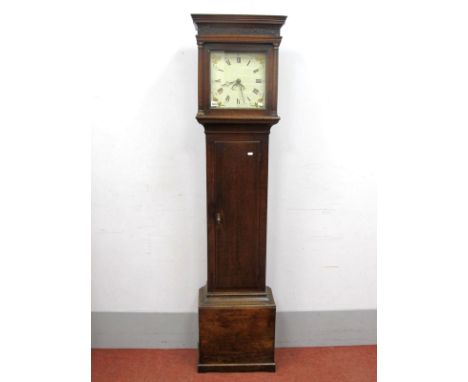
point(241, 87)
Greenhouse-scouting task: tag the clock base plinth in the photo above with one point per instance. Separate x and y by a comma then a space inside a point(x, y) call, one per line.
point(236, 332)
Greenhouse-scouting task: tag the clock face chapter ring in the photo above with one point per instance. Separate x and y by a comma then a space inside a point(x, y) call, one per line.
point(237, 79)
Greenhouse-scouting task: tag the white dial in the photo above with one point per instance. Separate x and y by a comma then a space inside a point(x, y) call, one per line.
point(237, 80)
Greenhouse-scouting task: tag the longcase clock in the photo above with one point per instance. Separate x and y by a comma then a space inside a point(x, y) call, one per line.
point(237, 102)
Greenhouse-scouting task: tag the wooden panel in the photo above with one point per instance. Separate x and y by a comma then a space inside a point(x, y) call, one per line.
point(237, 173)
point(237, 335)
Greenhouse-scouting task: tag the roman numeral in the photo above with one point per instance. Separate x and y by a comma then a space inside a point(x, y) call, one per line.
point(258, 81)
point(220, 70)
point(248, 63)
point(220, 90)
point(228, 98)
point(248, 99)
point(218, 80)
point(238, 60)
point(256, 91)
point(227, 61)
point(256, 70)
point(238, 101)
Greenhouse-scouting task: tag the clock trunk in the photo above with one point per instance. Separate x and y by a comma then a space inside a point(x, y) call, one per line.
point(237, 167)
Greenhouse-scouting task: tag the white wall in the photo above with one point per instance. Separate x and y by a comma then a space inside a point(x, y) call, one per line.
point(148, 190)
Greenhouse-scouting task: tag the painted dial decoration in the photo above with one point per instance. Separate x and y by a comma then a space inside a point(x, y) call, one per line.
point(237, 80)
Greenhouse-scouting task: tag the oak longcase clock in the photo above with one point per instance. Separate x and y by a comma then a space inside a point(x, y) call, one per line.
point(237, 102)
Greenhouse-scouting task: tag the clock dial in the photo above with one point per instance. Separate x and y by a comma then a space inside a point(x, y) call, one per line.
point(237, 80)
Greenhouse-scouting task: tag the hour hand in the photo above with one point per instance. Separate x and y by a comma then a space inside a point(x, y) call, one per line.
point(241, 87)
point(228, 83)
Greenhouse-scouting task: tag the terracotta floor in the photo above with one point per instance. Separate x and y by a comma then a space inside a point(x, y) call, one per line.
point(326, 364)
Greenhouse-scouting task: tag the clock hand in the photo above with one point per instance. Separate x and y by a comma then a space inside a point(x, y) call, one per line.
point(236, 83)
point(242, 93)
point(228, 83)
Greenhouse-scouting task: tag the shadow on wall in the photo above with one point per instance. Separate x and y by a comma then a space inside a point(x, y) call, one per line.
point(290, 141)
point(176, 152)
point(150, 221)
